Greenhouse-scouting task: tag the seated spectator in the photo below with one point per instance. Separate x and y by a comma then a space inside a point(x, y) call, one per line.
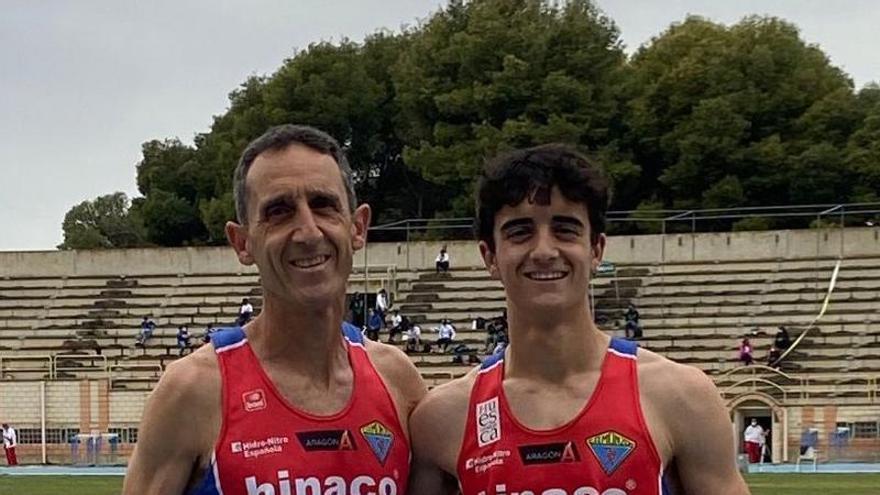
point(374, 325)
point(209, 330)
point(413, 338)
point(146, 331)
point(442, 261)
point(399, 324)
point(632, 327)
point(773, 356)
point(782, 341)
point(446, 332)
point(496, 332)
point(245, 312)
point(745, 352)
point(461, 352)
point(182, 339)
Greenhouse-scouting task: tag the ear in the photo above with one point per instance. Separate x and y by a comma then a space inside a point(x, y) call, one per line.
point(360, 223)
point(238, 239)
point(489, 259)
point(598, 250)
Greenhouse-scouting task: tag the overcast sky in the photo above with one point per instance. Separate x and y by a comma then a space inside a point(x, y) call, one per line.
point(84, 83)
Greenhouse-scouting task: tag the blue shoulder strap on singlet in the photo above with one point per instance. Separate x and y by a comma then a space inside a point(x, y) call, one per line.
point(491, 360)
point(223, 337)
point(665, 486)
point(352, 333)
point(624, 346)
point(208, 486)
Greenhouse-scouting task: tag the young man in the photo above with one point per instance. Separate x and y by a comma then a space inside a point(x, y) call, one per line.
point(565, 409)
point(287, 404)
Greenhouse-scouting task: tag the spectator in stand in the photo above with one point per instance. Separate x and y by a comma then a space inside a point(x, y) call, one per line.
point(374, 325)
point(209, 330)
point(399, 324)
point(382, 304)
point(182, 339)
point(446, 332)
point(782, 341)
point(754, 440)
point(745, 352)
point(442, 261)
point(10, 441)
point(146, 331)
point(773, 356)
point(245, 312)
point(462, 354)
point(496, 333)
point(413, 337)
point(632, 327)
point(356, 306)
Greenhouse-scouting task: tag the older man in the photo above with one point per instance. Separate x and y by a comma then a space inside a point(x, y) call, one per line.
point(293, 401)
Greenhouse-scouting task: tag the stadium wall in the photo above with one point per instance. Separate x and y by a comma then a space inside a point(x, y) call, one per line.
point(676, 248)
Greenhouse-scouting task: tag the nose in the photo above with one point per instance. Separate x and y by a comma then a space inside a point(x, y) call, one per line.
point(544, 249)
point(305, 228)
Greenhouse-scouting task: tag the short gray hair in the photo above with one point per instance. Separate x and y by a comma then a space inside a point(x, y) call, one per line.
point(278, 138)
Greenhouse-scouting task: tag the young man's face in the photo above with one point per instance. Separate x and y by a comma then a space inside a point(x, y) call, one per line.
point(299, 230)
point(543, 254)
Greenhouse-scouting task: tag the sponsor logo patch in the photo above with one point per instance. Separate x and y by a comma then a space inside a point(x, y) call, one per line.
point(253, 449)
point(484, 463)
point(254, 400)
point(325, 440)
point(379, 438)
point(488, 422)
point(549, 453)
point(611, 449)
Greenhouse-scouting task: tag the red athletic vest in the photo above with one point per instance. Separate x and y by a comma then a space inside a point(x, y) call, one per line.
point(268, 447)
point(605, 450)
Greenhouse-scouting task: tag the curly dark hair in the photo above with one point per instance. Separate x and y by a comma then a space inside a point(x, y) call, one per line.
point(532, 172)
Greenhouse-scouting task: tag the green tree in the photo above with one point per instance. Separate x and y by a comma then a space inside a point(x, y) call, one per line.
point(730, 115)
point(486, 76)
point(105, 222)
point(171, 220)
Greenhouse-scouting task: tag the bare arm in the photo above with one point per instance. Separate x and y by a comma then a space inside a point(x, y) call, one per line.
point(400, 376)
point(437, 429)
point(703, 440)
point(169, 445)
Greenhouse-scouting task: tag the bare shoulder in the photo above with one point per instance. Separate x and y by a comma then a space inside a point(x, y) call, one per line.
point(663, 380)
point(399, 373)
point(676, 399)
point(194, 377)
point(167, 456)
point(690, 425)
point(439, 421)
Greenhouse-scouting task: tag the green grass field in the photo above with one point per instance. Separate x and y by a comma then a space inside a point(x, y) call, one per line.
point(761, 484)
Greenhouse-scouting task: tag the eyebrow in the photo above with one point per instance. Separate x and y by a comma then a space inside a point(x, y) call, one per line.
point(568, 220)
point(516, 222)
point(311, 193)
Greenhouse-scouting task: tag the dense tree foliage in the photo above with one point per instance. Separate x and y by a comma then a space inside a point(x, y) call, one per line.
point(702, 116)
point(107, 221)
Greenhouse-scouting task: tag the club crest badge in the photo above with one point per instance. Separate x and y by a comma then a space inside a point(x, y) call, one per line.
point(379, 439)
point(611, 449)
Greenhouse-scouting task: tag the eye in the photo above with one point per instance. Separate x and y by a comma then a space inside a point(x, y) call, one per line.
point(517, 233)
point(323, 202)
point(567, 231)
point(277, 210)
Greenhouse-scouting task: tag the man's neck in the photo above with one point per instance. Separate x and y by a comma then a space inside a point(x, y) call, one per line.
point(305, 340)
point(551, 347)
